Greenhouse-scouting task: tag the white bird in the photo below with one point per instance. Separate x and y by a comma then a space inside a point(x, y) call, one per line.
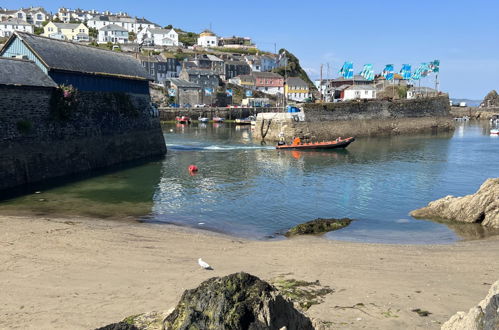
point(204, 264)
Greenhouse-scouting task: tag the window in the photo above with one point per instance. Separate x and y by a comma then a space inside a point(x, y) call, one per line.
point(39, 17)
point(366, 92)
point(19, 15)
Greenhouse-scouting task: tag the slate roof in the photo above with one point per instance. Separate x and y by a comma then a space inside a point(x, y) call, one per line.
point(159, 31)
point(66, 25)
point(266, 75)
point(113, 27)
point(69, 56)
point(361, 87)
point(295, 81)
point(16, 72)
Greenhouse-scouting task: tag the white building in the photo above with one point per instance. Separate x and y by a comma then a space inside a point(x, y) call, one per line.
point(33, 15)
point(131, 24)
point(297, 89)
point(359, 92)
point(207, 39)
point(112, 33)
point(14, 24)
point(158, 37)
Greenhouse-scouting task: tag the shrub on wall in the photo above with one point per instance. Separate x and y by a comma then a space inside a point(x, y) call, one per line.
point(63, 102)
point(122, 103)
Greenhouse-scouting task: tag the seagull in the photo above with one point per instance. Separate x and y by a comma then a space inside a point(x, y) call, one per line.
point(204, 264)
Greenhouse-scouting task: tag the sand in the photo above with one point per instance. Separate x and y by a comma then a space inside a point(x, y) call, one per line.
point(79, 273)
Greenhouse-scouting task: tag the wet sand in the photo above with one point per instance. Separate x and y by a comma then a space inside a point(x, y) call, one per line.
point(81, 273)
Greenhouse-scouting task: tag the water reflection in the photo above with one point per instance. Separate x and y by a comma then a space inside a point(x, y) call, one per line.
point(253, 190)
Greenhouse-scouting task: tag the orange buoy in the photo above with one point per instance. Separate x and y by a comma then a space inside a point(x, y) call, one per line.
point(192, 168)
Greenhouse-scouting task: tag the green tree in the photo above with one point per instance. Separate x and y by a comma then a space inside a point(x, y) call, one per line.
point(132, 36)
point(93, 33)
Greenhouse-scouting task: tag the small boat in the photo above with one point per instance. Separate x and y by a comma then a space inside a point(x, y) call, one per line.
point(183, 119)
point(338, 143)
point(246, 121)
point(203, 120)
point(494, 131)
point(218, 119)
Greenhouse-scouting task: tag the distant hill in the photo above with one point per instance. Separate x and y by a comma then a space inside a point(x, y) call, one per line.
point(469, 103)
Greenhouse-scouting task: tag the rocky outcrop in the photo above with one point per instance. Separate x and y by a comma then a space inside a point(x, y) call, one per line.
point(481, 207)
point(491, 100)
point(485, 316)
point(119, 326)
point(318, 226)
point(237, 301)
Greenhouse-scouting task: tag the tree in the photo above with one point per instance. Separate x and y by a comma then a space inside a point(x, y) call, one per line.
point(93, 33)
point(169, 26)
point(132, 36)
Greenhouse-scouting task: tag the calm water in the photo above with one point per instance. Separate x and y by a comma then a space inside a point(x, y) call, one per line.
point(255, 191)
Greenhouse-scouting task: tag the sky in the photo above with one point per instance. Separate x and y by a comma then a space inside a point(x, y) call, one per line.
point(463, 35)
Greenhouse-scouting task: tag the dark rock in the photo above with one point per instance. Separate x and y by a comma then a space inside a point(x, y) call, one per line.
point(318, 226)
point(491, 100)
point(237, 301)
point(119, 326)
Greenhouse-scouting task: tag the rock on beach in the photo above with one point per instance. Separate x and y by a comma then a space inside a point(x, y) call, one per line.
point(481, 207)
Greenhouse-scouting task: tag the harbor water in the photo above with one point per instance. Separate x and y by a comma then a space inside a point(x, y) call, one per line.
point(251, 190)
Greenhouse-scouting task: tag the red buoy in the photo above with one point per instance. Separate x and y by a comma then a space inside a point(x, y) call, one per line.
point(192, 168)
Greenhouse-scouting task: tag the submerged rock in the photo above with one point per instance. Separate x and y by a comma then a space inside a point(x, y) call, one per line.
point(481, 207)
point(237, 301)
point(318, 226)
point(485, 316)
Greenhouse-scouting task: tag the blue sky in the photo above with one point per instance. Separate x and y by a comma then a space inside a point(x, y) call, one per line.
point(463, 35)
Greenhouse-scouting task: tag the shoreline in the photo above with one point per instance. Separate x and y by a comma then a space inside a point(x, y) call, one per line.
point(82, 273)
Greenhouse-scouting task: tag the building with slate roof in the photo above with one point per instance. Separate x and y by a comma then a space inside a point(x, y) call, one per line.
point(85, 68)
point(112, 33)
point(14, 24)
point(68, 31)
point(20, 73)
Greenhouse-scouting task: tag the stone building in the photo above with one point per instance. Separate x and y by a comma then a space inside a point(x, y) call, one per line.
point(236, 68)
point(185, 92)
point(85, 68)
point(161, 68)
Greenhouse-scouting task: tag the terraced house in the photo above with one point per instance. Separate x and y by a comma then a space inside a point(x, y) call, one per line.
point(66, 31)
point(297, 89)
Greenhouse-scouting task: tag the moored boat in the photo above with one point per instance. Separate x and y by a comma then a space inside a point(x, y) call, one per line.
point(245, 121)
point(203, 119)
point(338, 143)
point(218, 119)
point(183, 119)
point(494, 131)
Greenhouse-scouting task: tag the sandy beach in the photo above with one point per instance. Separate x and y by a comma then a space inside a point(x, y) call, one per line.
point(80, 273)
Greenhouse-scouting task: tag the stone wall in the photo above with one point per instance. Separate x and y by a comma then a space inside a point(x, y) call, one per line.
point(370, 118)
point(38, 142)
point(169, 114)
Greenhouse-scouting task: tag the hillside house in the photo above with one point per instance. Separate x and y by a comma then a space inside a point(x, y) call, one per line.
point(357, 92)
point(161, 68)
point(131, 24)
point(297, 89)
point(14, 24)
point(236, 42)
point(236, 68)
point(158, 37)
point(112, 33)
point(246, 81)
point(66, 31)
point(33, 15)
point(85, 68)
point(207, 39)
point(210, 62)
point(269, 82)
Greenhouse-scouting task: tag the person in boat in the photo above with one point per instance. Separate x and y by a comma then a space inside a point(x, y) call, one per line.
point(296, 141)
point(282, 141)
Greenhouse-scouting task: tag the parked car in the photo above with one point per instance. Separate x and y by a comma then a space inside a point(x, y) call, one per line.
point(187, 105)
point(174, 105)
point(199, 105)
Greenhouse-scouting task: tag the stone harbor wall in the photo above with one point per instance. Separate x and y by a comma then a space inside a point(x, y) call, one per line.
point(45, 135)
point(169, 114)
point(361, 118)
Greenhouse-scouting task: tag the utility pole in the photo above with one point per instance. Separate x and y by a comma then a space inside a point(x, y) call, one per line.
point(320, 87)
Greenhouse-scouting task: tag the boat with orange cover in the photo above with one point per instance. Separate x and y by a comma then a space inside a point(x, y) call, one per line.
point(297, 145)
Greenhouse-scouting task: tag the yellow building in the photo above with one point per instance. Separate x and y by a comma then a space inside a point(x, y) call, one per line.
point(296, 89)
point(66, 31)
